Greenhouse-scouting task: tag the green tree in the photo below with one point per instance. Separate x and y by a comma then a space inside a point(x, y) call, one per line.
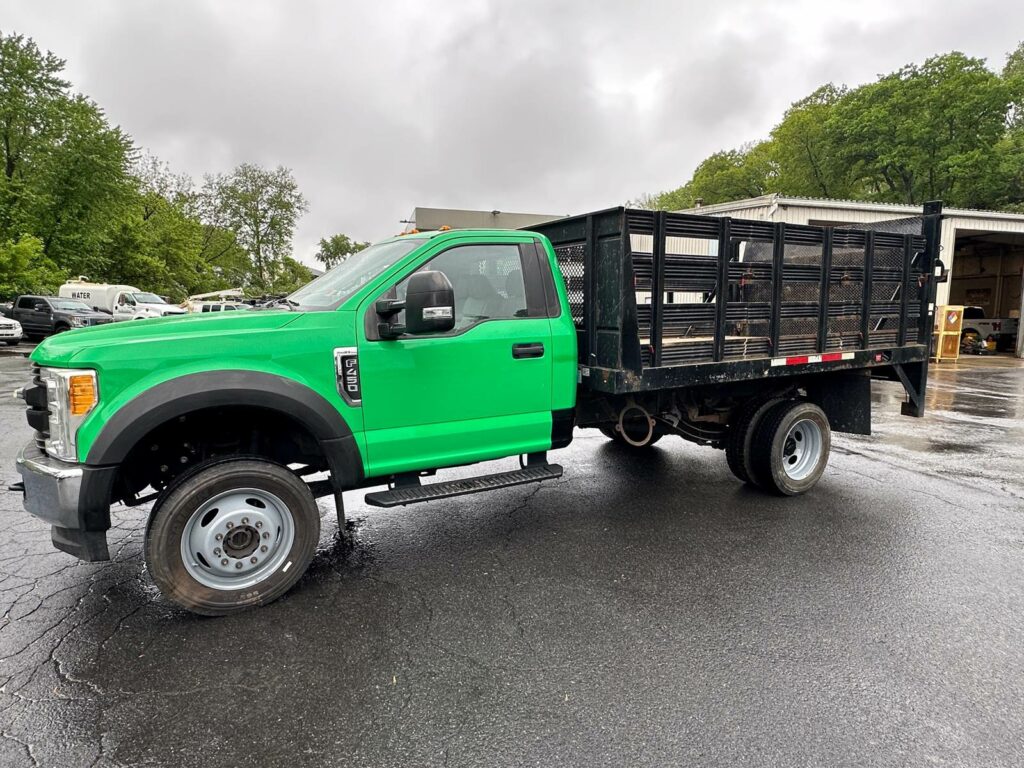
point(65, 169)
point(261, 207)
point(923, 133)
point(25, 269)
point(803, 150)
point(731, 175)
point(1013, 75)
point(290, 276)
point(335, 249)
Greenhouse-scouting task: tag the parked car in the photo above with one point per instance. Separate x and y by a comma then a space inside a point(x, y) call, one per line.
point(10, 331)
point(1001, 331)
point(124, 302)
point(43, 315)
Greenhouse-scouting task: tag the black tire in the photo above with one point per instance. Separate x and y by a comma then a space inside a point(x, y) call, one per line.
point(741, 435)
point(60, 328)
point(187, 494)
point(10, 343)
point(613, 434)
point(771, 453)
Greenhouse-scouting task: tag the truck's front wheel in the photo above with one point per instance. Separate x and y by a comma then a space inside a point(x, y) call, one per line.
point(231, 534)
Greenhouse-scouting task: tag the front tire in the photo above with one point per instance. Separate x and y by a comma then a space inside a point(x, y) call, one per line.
point(790, 448)
point(231, 534)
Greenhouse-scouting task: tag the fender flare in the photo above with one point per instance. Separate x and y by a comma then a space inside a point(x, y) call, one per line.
point(198, 391)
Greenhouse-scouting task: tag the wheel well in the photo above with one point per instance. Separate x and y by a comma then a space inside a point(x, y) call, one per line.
point(184, 441)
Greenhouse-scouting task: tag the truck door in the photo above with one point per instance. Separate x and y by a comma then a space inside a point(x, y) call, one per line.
point(35, 321)
point(124, 306)
point(480, 391)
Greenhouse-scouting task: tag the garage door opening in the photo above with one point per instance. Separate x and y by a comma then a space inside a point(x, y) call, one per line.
point(986, 276)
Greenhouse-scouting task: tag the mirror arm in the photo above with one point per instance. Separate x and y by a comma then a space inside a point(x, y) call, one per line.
point(389, 307)
point(390, 332)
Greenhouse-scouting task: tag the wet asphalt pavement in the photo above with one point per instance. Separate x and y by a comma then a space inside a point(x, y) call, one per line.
point(644, 610)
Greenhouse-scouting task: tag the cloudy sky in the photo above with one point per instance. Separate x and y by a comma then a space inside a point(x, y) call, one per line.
point(515, 105)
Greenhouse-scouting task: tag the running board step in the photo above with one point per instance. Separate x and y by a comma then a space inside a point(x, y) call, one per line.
point(415, 493)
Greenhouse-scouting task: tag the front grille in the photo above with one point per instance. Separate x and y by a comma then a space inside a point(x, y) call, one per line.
point(38, 412)
point(99, 320)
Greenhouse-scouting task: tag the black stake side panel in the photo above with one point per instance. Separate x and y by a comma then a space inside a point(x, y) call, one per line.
point(764, 291)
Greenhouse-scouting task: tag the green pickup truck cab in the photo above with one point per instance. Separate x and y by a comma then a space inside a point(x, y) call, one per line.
point(444, 349)
point(210, 411)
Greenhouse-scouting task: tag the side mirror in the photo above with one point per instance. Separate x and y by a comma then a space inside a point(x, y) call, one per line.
point(429, 307)
point(41, 306)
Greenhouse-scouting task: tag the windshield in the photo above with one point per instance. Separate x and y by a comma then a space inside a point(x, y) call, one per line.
point(70, 305)
point(332, 288)
point(148, 298)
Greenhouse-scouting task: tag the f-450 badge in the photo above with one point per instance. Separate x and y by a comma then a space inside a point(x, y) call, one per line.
point(346, 368)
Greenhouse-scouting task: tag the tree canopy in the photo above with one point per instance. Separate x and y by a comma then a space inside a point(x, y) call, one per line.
point(335, 249)
point(948, 129)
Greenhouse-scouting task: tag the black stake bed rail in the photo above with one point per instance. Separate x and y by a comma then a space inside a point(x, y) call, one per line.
point(662, 300)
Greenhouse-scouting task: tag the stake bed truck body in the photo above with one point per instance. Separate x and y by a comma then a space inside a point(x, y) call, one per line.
point(443, 349)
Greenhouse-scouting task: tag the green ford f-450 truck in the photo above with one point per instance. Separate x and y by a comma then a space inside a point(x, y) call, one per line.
point(450, 348)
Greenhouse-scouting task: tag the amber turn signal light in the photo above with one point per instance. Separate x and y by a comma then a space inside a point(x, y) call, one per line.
point(82, 394)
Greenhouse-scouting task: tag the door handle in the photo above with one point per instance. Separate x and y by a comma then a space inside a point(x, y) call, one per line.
point(532, 349)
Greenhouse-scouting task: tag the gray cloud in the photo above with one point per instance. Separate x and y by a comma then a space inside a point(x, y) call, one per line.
point(539, 106)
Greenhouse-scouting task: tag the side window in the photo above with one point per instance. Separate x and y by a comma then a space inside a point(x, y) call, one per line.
point(25, 302)
point(487, 279)
point(206, 308)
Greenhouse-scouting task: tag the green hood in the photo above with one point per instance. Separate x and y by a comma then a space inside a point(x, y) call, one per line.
point(74, 346)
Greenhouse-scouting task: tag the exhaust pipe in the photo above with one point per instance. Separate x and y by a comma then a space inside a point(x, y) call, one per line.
point(635, 425)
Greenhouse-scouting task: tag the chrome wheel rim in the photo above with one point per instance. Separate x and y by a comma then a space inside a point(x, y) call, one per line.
point(238, 539)
point(801, 450)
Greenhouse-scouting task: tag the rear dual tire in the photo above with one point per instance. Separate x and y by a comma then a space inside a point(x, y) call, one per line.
point(780, 446)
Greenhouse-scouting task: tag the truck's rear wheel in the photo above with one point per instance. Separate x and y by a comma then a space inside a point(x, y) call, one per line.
point(790, 447)
point(741, 436)
point(231, 534)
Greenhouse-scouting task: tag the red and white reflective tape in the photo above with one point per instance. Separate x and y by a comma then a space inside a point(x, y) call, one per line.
point(828, 357)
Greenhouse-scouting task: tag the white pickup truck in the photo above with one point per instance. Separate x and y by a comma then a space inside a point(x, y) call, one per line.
point(124, 302)
point(1003, 331)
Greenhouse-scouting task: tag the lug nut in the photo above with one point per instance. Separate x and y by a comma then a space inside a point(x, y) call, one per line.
point(229, 525)
point(252, 560)
point(263, 548)
point(219, 536)
point(224, 561)
point(238, 565)
point(245, 521)
point(259, 523)
point(266, 534)
point(216, 551)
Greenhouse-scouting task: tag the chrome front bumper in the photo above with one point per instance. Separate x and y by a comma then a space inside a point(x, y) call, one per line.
point(60, 494)
point(52, 487)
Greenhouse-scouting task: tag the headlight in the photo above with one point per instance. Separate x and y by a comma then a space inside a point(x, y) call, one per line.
point(71, 394)
point(77, 322)
point(17, 326)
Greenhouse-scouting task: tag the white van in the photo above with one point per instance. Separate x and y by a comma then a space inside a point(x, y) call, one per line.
point(124, 302)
